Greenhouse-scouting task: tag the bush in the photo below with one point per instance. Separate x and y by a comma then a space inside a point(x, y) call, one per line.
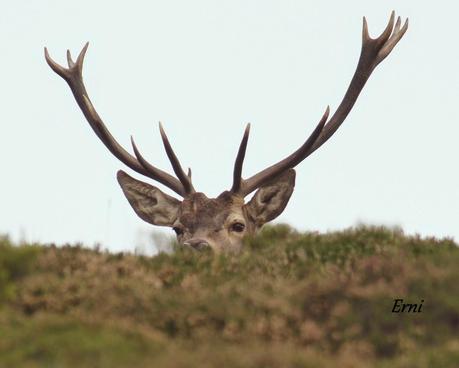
point(288, 300)
point(15, 263)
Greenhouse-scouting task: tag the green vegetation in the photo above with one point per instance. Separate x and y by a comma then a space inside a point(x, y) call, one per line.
point(288, 300)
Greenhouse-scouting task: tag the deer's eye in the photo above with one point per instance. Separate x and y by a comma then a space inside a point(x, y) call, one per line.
point(238, 227)
point(178, 230)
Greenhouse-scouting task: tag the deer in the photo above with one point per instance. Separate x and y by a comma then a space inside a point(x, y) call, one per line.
point(221, 223)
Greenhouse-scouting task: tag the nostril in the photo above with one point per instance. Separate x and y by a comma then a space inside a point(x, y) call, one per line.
point(197, 244)
point(202, 245)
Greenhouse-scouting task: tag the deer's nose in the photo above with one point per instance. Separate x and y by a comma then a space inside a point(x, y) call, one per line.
point(197, 243)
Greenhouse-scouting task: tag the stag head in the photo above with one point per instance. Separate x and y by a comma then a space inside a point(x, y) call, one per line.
point(221, 223)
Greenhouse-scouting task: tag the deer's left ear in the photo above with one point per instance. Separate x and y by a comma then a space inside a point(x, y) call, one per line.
point(271, 199)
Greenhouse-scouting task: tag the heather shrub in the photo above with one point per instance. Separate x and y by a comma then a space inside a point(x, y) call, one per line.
point(289, 299)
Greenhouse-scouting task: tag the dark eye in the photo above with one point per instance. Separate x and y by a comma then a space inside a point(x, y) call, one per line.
point(237, 227)
point(178, 230)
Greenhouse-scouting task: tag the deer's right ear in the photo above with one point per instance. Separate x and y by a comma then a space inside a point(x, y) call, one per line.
point(270, 200)
point(150, 203)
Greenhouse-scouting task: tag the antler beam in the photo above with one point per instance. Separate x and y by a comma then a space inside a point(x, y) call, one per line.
point(373, 52)
point(74, 78)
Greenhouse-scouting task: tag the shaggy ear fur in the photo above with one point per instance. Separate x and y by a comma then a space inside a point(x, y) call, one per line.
point(150, 203)
point(271, 199)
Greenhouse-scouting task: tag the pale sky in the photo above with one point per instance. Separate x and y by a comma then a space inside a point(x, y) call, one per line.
point(205, 69)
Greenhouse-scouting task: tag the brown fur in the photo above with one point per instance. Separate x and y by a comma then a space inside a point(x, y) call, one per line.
point(202, 222)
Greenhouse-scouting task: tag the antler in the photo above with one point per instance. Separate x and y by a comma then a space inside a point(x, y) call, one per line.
point(373, 52)
point(74, 78)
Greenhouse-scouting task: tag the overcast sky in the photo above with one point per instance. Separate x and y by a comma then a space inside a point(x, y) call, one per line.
point(205, 69)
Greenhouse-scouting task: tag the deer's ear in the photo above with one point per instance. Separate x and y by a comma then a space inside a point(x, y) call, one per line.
point(150, 203)
point(271, 199)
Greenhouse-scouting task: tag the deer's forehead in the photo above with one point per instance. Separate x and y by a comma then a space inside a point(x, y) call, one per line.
point(200, 210)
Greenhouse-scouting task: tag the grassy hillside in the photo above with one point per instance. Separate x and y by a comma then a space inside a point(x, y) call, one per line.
point(289, 300)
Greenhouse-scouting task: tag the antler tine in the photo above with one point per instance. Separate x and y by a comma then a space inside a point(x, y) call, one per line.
point(249, 185)
point(393, 40)
point(373, 52)
point(237, 173)
point(58, 69)
point(152, 170)
point(70, 62)
point(184, 178)
point(74, 78)
point(388, 30)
